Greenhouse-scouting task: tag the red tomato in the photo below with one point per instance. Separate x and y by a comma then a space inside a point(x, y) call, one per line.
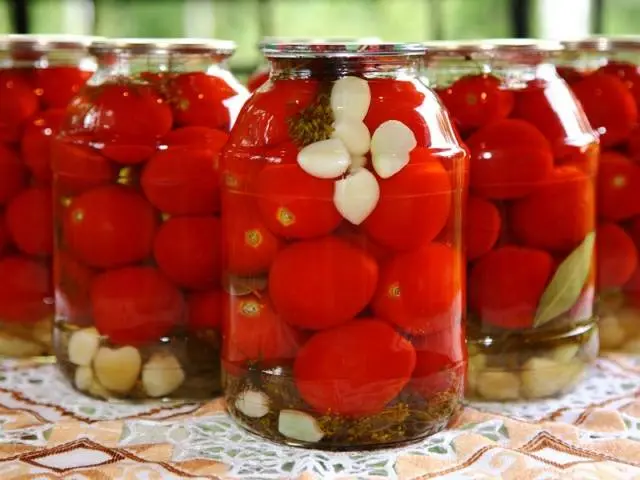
point(78, 168)
point(632, 289)
point(13, 175)
point(585, 157)
point(257, 79)
point(109, 227)
point(509, 158)
point(135, 305)
point(618, 187)
point(248, 246)
point(5, 237)
point(570, 74)
point(57, 85)
point(285, 153)
point(395, 91)
point(253, 332)
point(204, 310)
point(477, 100)
point(25, 290)
point(634, 230)
point(538, 221)
point(294, 204)
point(506, 284)
point(609, 106)
point(36, 143)
point(263, 119)
point(616, 254)
point(187, 250)
point(18, 103)
point(30, 220)
point(196, 98)
point(633, 145)
point(321, 283)
point(183, 181)
point(413, 208)
point(241, 167)
point(419, 292)
point(628, 73)
point(72, 282)
point(482, 227)
point(354, 369)
point(356, 237)
point(210, 138)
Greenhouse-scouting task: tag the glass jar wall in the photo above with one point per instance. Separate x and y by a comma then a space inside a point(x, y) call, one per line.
point(136, 202)
point(341, 218)
point(604, 75)
point(529, 224)
point(39, 74)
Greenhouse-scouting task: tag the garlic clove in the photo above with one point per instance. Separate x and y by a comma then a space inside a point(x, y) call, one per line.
point(117, 369)
point(350, 98)
point(161, 375)
point(299, 426)
point(354, 135)
point(83, 378)
point(564, 353)
point(12, 346)
point(252, 403)
point(391, 144)
point(543, 377)
point(388, 164)
point(357, 162)
point(325, 159)
point(498, 385)
point(612, 335)
point(83, 345)
point(356, 195)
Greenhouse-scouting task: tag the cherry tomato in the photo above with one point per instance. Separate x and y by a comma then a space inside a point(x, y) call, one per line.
point(36, 143)
point(506, 284)
point(72, 280)
point(570, 74)
point(204, 310)
point(109, 227)
point(30, 220)
point(395, 91)
point(628, 73)
point(509, 158)
point(356, 237)
point(18, 103)
point(354, 369)
point(634, 230)
point(187, 250)
point(57, 85)
point(538, 222)
point(321, 283)
point(616, 254)
point(609, 106)
point(618, 187)
point(210, 138)
point(257, 79)
point(584, 157)
point(419, 292)
point(13, 175)
point(5, 237)
point(477, 100)
point(78, 168)
point(294, 204)
point(249, 246)
point(633, 145)
point(482, 227)
point(135, 305)
point(25, 290)
point(413, 208)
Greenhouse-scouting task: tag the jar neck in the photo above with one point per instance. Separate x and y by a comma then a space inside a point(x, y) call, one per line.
point(38, 59)
point(130, 64)
point(336, 67)
point(588, 60)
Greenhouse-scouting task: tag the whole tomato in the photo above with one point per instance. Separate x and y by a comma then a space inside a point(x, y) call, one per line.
point(37, 141)
point(25, 289)
point(482, 226)
point(258, 79)
point(18, 103)
point(72, 280)
point(628, 73)
point(13, 175)
point(135, 305)
point(109, 226)
point(78, 168)
point(57, 85)
point(618, 187)
point(30, 221)
point(5, 237)
point(204, 310)
point(209, 138)
point(617, 256)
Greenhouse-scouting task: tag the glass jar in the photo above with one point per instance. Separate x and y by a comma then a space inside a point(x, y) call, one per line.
point(136, 215)
point(530, 216)
point(604, 75)
point(38, 76)
point(342, 207)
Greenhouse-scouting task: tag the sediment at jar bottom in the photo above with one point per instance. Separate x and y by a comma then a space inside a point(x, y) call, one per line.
point(26, 340)
point(180, 367)
point(528, 368)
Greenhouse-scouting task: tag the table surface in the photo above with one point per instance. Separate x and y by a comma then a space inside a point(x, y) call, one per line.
point(47, 431)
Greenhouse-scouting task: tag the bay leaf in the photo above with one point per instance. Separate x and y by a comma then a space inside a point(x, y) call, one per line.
point(566, 285)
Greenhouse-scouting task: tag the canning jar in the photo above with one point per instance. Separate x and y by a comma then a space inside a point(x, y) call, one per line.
point(529, 223)
point(38, 76)
point(136, 219)
point(604, 75)
point(342, 224)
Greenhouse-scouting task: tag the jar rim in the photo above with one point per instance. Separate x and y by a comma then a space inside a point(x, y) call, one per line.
point(339, 49)
point(45, 42)
point(603, 44)
point(494, 47)
point(162, 46)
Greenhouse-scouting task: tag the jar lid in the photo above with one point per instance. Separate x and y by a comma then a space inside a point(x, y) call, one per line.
point(163, 46)
point(338, 49)
point(45, 43)
point(603, 44)
point(493, 48)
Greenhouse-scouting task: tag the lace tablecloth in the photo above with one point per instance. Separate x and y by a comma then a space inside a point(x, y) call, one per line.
point(48, 432)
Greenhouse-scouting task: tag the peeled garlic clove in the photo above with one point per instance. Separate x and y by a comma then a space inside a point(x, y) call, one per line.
point(161, 375)
point(252, 403)
point(612, 335)
point(299, 426)
point(97, 390)
point(83, 345)
point(543, 377)
point(354, 135)
point(325, 159)
point(83, 378)
point(117, 369)
point(564, 353)
point(498, 385)
point(350, 98)
point(11, 346)
point(356, 196)
point(390, 147)
point(387, 164)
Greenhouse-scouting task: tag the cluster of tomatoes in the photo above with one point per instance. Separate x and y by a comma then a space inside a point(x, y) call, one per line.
point(137, 205)
point(32, 102)
point(610, 97)
point(531, 196)
point(358, 311)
